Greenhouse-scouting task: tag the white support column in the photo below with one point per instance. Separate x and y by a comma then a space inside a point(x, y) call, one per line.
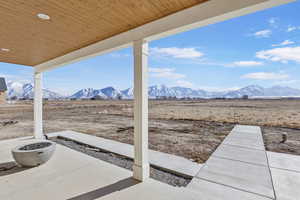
point(38, 106)
point(141, 163)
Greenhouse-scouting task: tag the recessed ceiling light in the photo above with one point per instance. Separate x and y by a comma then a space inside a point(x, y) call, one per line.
point(4, 49)
point(43, 16)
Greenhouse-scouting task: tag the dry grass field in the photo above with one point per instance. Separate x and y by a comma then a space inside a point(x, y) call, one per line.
point(192, 129)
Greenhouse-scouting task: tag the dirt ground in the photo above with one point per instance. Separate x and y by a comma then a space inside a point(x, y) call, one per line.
point(192, 129)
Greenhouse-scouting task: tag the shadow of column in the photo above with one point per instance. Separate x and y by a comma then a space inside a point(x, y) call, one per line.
point(118, 186)
point(10, 168)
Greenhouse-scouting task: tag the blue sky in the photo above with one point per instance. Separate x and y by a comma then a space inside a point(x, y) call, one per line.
point(261, 48)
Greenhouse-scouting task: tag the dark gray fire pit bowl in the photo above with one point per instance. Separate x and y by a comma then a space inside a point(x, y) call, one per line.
point(34, 153)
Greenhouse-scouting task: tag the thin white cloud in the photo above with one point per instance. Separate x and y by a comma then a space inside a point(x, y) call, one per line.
point(169, 73)
point(263, 33)
point(7, 76)
point(218, 89)
point(284, 43)
point(283, 54)
point(287, 82)
point(292, 28)
point(273, 22)
point(10, 77)
point(184, 83)
point(266, 76)
point(247, 63)
point(165, 73)
point(176, 52)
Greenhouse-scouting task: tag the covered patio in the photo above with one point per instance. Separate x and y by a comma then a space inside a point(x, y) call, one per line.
point(51, 34)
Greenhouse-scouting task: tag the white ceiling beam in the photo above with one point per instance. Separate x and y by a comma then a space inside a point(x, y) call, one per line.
point(210, 12)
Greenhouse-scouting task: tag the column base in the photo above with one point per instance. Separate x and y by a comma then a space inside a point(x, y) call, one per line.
point(141, 173)
point(39, 136)
point(38, 133)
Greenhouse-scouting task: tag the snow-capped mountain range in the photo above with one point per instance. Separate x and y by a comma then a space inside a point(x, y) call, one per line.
point(18, 90)
point(25, 91)
point(105, 93)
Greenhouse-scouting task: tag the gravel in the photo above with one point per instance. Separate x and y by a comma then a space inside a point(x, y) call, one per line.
point(35, 146)
point(124, 162)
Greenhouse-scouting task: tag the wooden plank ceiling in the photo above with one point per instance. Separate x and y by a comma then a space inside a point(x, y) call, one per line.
point(73, 24)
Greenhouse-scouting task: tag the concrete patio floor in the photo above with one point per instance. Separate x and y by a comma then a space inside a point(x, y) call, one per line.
point(73, 175)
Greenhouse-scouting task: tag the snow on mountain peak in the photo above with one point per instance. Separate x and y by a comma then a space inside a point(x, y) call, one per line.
point(20, 90)
point(155, 91)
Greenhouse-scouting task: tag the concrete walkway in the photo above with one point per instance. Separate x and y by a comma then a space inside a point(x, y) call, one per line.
point(285, 170)
point(239, 166)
